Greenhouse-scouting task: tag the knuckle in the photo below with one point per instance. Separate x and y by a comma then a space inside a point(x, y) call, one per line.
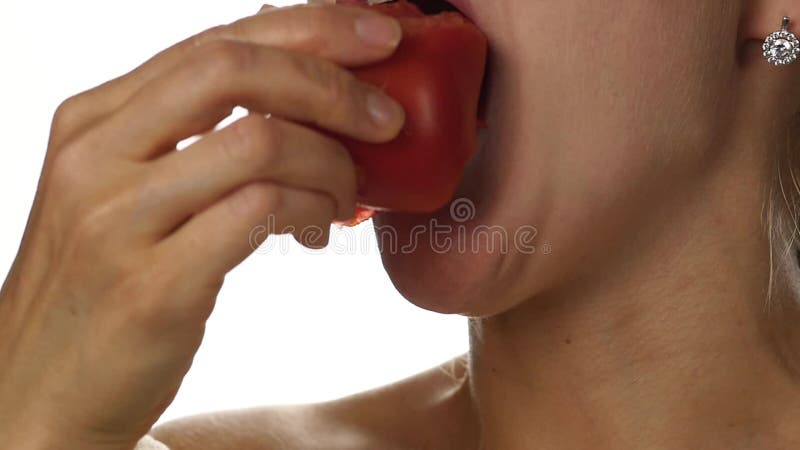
point(318, 16)
point(68, 113)
point(223, 58)
point(316, 43)
point(318, 20)
point(236, 30)
point(254, 140)
point(259, 197)
point(337, 87)
point(213, 34)
point(65, 168)
point(343, 98)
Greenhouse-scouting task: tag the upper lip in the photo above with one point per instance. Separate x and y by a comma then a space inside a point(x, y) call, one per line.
point(465, 6)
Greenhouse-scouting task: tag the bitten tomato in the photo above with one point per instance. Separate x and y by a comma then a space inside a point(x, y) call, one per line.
point(436, 74)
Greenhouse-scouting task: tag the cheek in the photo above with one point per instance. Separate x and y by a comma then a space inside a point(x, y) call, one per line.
point(597, 104)
point(601, 94)
point(618, 72)
point(592, 104)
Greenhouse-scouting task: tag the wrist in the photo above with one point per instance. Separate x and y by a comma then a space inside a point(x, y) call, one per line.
point(37, 438)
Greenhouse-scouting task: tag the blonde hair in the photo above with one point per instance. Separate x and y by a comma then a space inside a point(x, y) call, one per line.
point(782, 215)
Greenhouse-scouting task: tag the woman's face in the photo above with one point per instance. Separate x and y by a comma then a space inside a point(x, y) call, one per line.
point(598, 110)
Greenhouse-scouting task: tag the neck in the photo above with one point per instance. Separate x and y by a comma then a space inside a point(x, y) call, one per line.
point(671, 349)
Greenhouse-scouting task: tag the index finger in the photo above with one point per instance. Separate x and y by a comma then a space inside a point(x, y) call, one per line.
point(347, 36)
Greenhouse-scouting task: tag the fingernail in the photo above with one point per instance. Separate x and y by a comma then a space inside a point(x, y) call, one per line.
point(378, 30)
point(384, 111)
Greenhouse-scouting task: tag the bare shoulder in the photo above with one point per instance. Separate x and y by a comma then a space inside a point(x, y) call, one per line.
point(428, 410)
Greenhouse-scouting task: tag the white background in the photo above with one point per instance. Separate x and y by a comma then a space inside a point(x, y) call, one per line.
point(290, 326)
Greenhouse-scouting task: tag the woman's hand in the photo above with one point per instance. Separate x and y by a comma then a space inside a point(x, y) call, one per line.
point(129, 240)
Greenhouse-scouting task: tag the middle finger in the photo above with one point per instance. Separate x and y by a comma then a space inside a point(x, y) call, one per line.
point(198, 94)
point(253, 149)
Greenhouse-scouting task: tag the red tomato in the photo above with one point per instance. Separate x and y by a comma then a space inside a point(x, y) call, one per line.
point(436, 74)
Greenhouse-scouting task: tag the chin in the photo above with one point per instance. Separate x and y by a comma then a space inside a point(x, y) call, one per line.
point(442, 261)
point(421, 254)
point(460, 259)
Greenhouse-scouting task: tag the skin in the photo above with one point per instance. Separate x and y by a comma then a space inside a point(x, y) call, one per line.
point(654, 122)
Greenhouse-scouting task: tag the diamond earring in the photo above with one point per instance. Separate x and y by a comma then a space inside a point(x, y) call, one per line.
point(781, 47)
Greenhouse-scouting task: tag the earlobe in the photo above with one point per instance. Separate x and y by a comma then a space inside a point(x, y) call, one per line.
point(760, 18)
point(761, 26)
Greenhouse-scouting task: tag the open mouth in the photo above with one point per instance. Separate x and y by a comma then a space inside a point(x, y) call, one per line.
point(434, 6)
point(426, 6)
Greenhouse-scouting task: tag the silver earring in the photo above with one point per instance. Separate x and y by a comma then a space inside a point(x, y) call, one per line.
point(782, 47)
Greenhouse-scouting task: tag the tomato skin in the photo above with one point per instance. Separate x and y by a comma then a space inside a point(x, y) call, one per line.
point(436, 75)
